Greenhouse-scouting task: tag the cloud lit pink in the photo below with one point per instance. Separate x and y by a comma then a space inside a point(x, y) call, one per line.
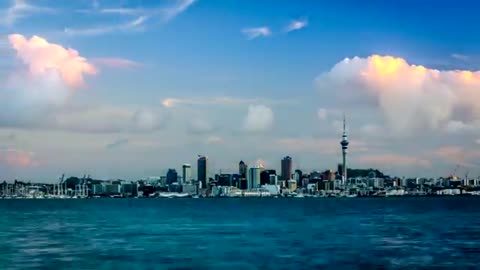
point(43, 57)
point(114, 62)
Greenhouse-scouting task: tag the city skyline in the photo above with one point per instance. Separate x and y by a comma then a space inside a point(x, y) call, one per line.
point(125, 89)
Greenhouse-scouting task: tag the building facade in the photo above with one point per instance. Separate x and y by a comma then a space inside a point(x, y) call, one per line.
point(253, 177)
point(287, 167)
point(242, 169)
point(202, 170)
point(265, 176)
point(186, 173)
point(172, 176)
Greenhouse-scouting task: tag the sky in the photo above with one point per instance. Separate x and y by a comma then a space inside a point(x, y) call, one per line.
point(127, 89)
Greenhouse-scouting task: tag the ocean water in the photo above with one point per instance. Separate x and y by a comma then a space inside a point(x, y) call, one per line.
point(328, 233)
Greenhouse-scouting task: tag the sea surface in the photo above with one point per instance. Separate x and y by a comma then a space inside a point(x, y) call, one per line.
point(324, 233)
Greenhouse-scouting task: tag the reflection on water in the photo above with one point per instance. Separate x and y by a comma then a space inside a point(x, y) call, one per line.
point(240, 233)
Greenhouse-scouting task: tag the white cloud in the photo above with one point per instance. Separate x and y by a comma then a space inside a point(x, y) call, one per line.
point(108, 119)
point(18, 158)
point(136, 24)
point(410, 98)
point(337, 126)
point(115, 62)
point(43, 58)
point(148, 120)
point(21, 9)
point(460, 57)
point(123, 11)
point(40, 93)
point(296, 25)
point(142, 16)
point(322, 114)
point(458, 127)
point(256, 32)
point(49, 76)
point(259, 118)
point(180, 7)
point(225, 101)
point(387, 160)
point(372, 130)
point(199, 126)
point(214, 140)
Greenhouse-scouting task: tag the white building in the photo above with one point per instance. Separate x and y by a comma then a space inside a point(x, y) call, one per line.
point(272, 189)
point(253, 177)
point(273, 179)
point(186, 173)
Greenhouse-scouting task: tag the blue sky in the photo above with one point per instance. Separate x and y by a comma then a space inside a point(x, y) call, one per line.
point(241, 85)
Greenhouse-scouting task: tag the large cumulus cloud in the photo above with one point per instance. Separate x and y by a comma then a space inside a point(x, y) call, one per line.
point(409, 97)
point(43, 58)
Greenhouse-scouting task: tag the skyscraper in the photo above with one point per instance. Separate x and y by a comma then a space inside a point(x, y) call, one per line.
point(344, 144)
point(287, 167)
point(242, 169)
point(202, 170)
point(297, 176)
point(253, 177)
point(172, 176)
point(186, 173)
point(265, 176)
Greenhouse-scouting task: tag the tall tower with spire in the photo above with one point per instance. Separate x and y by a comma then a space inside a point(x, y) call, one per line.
point(344, 144)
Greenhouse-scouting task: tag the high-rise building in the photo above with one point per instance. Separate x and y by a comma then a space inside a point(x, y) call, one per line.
point(344, 144)
point(224, 180)
point(287, 167)
point(253, 177)
point(242, 169)
point(265, 176)
point(186, 173)
point(172, 176)
point(297, 176)
point(202, 170)
point(273, 179)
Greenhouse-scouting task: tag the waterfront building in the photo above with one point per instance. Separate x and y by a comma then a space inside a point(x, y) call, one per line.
point(186, 173)
point(97, 189)
point(230, 192)
point(328, 175)
point(189, 188)
point(287, 167)
point(253, 177)
point(376, 183)
point(344, 143)
point(304, 182)
point(272, 189)
point(326, 185)
point(243, 183)
point(242, 169)
point(292, 185)
point(202, 170)
point(175, 187)
point(315, 174)
point(297, 176)
point(312, 188)
point(172, 176)
point(273, 179)
point(224, 180)
point(129, 189)
point(236, 180)
point(113, 189)
point(162, 182)
point(265, 176)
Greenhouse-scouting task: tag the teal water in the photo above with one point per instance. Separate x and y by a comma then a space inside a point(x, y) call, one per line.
point(382, 233)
